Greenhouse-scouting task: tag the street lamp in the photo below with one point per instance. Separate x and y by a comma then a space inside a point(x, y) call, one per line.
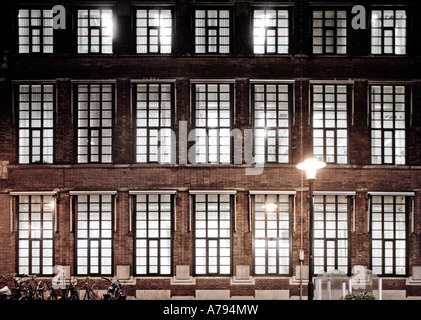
point(311, 165)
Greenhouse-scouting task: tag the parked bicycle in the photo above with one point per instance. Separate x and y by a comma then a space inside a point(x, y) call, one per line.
point(114, 291)
point(90, 293)
point(5, 292)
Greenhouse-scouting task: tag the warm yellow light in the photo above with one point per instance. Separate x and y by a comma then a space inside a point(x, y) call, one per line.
point(311, 165)
point(270, 207)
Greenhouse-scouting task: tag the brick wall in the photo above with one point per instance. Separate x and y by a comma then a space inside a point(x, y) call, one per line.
point(241, 66)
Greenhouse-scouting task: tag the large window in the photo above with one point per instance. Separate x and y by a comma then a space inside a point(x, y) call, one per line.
point(154, 113)
point(153, 248)
point(94, 234)
point(95, 31)
point(272, 234)
point(35, 243)
point(388, 32)
point(36, 123)
point(95, 122)
point(212, 234)
point(329, 32)
point(212, 31)
point(331, 233)
point(388, 235)
point(36, 31)
point(330, 122)
point(213, 105)
point(388, 123)
point(271, 108)
point(271, 31)
point(153, 30)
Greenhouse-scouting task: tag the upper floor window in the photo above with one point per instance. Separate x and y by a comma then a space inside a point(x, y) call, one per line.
point(330, 122)
point(329, 32)
point(36, 123)
point(154, 111)
point(153, 30)
point(212, 104)
point(212, 31)
point(271, 107)
point(388, 32)
point(35, 27)
point(95, 31)
point(388, 123)
point(271, 31)
point(95, 123)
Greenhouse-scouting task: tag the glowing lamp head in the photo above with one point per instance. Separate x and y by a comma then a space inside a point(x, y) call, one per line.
point(310, 166)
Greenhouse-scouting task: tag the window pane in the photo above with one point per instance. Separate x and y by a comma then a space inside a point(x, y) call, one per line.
point(330, 123)
point(36, 123)
point(95, 124)
point(388, 216)
point(94, 234)
point(212, 106)
point(155, 142)
point(271, 234)
point(212, 234)
point(95, 31)
point(270, 31)
point(212, 31)
point(35, 234)
point(388, 123)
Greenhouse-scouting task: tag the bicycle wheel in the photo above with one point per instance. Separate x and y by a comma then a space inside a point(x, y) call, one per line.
point(90, 295)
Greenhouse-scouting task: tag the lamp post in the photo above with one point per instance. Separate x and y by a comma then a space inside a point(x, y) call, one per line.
point(310, 166)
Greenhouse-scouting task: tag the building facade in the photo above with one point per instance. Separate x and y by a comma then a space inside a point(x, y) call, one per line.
point(157, 142)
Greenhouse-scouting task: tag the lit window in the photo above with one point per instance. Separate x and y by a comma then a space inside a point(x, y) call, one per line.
point(271, 104)
point(36, 123)
point(388, 235)
point(388, 32)
point(272, 231)
point(212, 31)
point(212, 234)
point(35, 29)
point(35, 235)
point(95, 122)
point(212, 115)
point(329, 32)
point(94, 234)
point(271, 31)
point(153, 31)
point(330, 123)
point(95, 31)
point(388, 123)
point(331, 233)
point(153, 247)
point(154, 108)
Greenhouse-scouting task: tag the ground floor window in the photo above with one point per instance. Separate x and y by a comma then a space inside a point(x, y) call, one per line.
point(388, 235)
point(35, 244)
point(153, 221)
point(212, 234)
point(272, 234)
point(331, 233)
point(94, 234)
